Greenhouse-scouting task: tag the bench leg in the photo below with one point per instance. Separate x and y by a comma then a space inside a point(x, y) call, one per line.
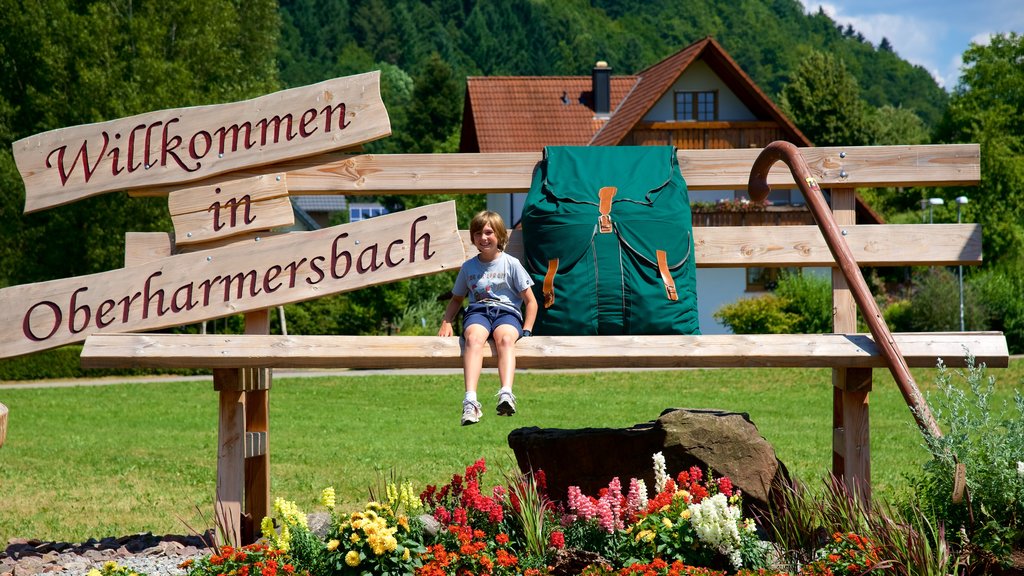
point(257, 462)
point(851, 446)
point(230, 460)
point(243, 453)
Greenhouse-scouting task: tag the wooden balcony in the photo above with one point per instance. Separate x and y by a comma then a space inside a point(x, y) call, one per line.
point(706, 135)
point(770, 216)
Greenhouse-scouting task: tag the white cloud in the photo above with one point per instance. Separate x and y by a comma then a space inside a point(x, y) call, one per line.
point(915, 39)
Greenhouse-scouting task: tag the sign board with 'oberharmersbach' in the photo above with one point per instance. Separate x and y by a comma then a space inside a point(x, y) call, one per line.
point(189, 144)
point(273, 271)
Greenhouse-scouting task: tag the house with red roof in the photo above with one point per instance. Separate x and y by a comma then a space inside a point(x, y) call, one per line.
point(696, 98)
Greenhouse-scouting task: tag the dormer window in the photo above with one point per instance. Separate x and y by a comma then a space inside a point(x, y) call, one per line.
point(697, 106)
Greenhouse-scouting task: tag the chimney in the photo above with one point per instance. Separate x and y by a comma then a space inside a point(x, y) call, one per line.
point(601, 79)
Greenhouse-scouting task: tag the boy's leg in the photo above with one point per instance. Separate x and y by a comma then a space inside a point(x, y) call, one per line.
point(505, 336)
point(475, 337)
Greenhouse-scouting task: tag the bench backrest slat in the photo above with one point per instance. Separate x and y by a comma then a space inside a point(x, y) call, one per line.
point(850, 167)
point(802, 246)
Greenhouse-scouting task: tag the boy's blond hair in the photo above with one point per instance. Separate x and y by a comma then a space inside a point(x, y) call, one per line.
point(494, 220)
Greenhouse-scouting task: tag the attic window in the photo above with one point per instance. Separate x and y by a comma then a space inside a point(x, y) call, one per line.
point(697, 106)
point(565, 97)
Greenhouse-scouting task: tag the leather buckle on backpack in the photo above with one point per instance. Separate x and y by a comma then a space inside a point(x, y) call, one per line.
point(549, 283)
point(666, 275)
point(605, 221)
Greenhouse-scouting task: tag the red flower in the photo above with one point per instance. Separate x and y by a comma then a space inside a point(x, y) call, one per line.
point(501, 538)
point(557, 540)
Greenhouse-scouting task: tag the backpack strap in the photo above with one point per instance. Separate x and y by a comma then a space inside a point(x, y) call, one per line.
point(549, 283)
point(666, 276)
point(606, 194)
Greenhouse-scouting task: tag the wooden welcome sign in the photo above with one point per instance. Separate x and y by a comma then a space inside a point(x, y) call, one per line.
point(189, 144)
point(177, 146)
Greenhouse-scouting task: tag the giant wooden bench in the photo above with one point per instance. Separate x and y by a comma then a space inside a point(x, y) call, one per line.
point(241, 363)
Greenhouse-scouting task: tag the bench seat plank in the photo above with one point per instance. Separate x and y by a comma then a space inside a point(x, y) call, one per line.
point(761, 350)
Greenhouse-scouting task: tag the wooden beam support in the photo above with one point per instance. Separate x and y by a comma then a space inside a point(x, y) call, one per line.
point(851, 457)
point(543, 352)
point(257, 422)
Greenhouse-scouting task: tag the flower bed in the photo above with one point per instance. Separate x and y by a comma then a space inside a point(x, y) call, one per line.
point(690, 524)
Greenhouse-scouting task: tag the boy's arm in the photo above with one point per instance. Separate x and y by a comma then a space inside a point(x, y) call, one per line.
point(450, 312)
point(531, 309)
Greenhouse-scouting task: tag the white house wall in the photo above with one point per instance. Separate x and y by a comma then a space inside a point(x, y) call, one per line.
point(699, 77)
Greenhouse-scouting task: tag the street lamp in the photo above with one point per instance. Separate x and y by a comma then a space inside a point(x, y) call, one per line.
point(933, 202)
point(960, 201)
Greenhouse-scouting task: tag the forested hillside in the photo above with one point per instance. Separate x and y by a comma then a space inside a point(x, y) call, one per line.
point(769, 39)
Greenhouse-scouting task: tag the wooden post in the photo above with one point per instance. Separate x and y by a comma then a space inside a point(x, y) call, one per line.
point(230, 455)
point(243, 454)
point(851, 449)
point(257, 416)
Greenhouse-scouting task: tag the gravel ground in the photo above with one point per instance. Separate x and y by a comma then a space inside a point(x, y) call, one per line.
point(145, 553)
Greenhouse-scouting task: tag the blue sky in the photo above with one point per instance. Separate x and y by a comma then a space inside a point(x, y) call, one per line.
point(933, 34)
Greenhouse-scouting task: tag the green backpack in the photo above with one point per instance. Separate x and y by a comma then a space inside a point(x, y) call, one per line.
point(608, 240)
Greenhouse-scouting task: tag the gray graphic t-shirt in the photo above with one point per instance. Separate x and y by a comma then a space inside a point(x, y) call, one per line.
point(496, 283)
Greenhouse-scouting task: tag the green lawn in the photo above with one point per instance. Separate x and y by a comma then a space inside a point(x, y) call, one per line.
point(113, 460)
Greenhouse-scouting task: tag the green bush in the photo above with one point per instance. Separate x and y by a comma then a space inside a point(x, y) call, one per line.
point(809, 297)
point(65, 362)
point(898, 316)
point(989, 441)
point(801, 304)
point(935, 305)
point(1000, 293)
point(760, 315)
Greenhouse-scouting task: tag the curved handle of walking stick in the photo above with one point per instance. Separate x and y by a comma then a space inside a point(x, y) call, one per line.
point(758, 189)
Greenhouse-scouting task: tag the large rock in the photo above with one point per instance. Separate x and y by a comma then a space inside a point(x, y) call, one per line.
point(728, 443)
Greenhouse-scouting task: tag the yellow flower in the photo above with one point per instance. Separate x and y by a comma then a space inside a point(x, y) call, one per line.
point(289, 513)
point(392, 493)
point(645, 535)
point(404, 523)
point(327, 497)
point(352, 558)
point(267, 528)
point(405, 555)
point(110, 565)
point(685, 515)
point(285, 539)
point(354, 538)
point(332, 545)
point(667, 523)
point(94, 572)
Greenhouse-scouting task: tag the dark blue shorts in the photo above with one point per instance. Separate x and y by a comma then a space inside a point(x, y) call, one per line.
point(490, 317)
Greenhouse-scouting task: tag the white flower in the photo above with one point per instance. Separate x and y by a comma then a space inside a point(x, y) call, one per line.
point(660, 473)
point(1020, 469)
point(717, 525)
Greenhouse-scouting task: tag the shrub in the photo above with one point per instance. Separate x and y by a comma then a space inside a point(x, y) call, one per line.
point(990, 444)
point(935, 305)
point(809, 296)
point(999, 292)
point(898, 316)
point(761, 315)
point(801, 304)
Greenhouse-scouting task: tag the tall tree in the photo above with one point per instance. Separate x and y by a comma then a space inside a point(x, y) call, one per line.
point(987, 107)
point(67, 62)
point(823, 99)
